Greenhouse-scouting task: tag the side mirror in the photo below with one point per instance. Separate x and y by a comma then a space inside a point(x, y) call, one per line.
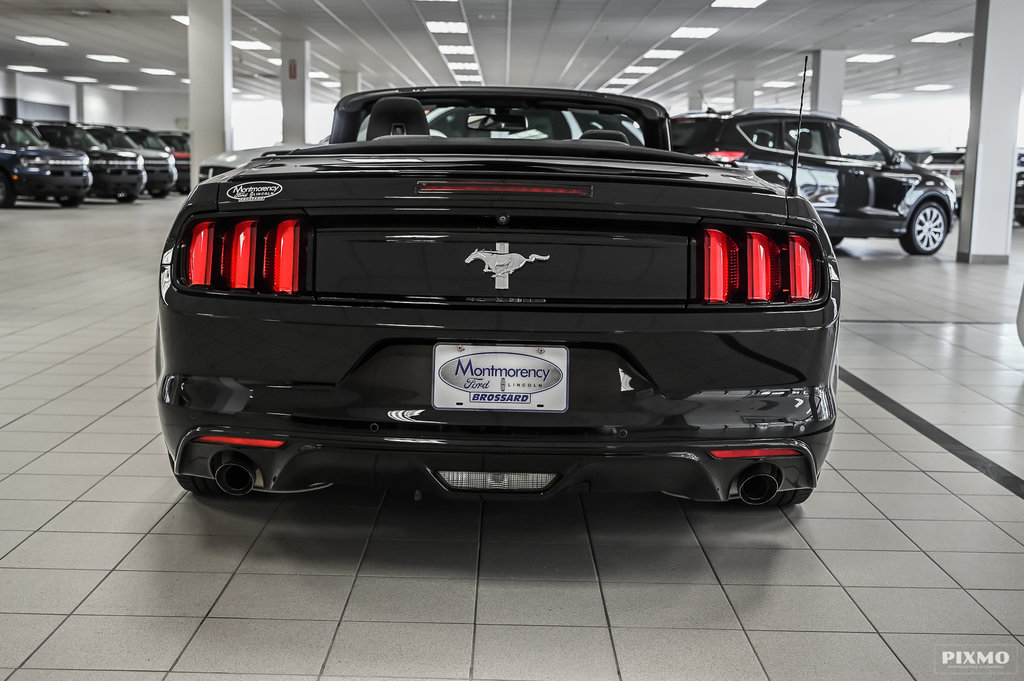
point(497, 122)
point(898, 159)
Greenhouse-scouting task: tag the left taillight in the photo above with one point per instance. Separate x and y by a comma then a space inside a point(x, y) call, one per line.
point(757, 267)
point(249, 255)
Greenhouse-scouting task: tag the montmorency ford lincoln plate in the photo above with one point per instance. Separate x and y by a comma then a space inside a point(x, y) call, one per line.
point(498, 290)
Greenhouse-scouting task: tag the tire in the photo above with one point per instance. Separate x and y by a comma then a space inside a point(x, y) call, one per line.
point(7, 196)
point(160, 195)
point(201, 486)
point(130, 198)
point(836, 240)
point(926, 229)
point(790, 497)
point(70, 201)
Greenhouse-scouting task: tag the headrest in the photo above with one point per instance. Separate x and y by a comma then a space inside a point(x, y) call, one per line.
point(806, 142)
point(610, 135)
point(397, 116)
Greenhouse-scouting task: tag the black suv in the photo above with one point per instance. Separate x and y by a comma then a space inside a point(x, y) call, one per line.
point(161, 173)
point(180, 144)
point(115, 174)
point(30, 168)
point(860, 186)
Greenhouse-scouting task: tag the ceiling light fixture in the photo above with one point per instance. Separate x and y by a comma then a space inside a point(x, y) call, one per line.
point(455, 49)
point(663, 54)
point(610, 90)
point(469, 78)
point(320, 75)
point(159, 72)
point(27, 69)
point(276, 61)
point(447, 27)
point(331, 83)
point(180, 18)
point(778, 84)
point(42, 41)
point(463, 66)
point(738, 4)
point(869, 58)
point(80, 79)
point(694, 32)
point(250, 45)
point(623, 81)
point(107, 58)
point(941, 37)
point(933, 87)
point(886, 95)
point(123, 88)
point(640, 69)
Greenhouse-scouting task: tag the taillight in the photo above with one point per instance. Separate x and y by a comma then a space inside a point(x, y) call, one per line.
point(721, 270)
point(725, 155)
point(261, 256)
point(758, 267)
point(199, 269)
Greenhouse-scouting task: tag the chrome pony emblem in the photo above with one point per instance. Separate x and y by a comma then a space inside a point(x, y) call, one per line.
point(501, 263)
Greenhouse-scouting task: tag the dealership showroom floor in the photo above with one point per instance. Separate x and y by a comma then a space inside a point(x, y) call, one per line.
point(109, 572)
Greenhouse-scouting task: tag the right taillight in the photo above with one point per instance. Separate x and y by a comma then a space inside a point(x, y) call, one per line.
point(757, 267)
point(249, 255)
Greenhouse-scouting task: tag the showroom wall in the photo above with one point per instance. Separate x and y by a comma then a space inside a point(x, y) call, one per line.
point(101, 105)
point(156, 110)
point(43, 97)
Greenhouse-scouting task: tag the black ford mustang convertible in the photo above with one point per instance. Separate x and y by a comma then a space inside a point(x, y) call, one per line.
point(502, 291)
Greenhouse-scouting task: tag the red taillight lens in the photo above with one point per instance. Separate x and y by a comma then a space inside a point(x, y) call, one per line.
point(240, 270)
point(200, 255)
point(721, 266)
point(239, 441)
point(801, 270)
point(181, 154)
point(751, 453)
point(725, 156)
point(286, 257)
point(763, 276)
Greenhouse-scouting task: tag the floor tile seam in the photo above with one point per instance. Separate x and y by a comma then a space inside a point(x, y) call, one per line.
point(600, 588)
point(32, 533)
point(941, 438)
point(348, 598)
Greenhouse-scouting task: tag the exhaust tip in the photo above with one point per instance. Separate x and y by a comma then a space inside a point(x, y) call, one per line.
point(758, 484)
point(234, 478)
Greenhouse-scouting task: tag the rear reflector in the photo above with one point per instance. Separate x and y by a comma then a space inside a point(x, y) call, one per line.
point(510, 482)
point(501, 188)
point(200, 255)
point(241, 265)
point(239, 441)
point(801, 270)
point(763, 280)
point(721, 271)
point(286, 257)
point(751, 453)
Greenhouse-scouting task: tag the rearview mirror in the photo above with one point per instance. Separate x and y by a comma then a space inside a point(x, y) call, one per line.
point(496, 122)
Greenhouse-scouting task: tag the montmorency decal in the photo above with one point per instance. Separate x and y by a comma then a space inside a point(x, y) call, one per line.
point(253, 191)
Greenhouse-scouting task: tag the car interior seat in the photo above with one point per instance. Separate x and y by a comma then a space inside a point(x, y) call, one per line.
point(397, 116)
point(605, 135)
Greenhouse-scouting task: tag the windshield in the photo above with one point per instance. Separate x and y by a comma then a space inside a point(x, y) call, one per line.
point(68, 136)
point(691, 135)
point(148, 140)
point(18, 135)
point(175, 142)
point(115, 139)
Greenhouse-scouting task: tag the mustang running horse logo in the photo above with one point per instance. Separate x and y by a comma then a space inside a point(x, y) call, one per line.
point(501, 263)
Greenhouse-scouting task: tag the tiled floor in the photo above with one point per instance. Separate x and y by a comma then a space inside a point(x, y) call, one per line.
point(109, 573)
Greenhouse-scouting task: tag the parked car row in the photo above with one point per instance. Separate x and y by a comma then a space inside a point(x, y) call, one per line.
point(69, 161)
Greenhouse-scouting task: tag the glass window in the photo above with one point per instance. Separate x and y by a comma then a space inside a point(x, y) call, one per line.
point(812, 137)
point(695, 134)
point(16, 135)
point(853, 145)
point(762, 133)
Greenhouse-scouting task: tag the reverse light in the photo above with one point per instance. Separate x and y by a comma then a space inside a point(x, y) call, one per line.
point(801, 270)
point(200, 255)
point(751, 453)
point(721, 267)
point(763, 277)
point(239, 441)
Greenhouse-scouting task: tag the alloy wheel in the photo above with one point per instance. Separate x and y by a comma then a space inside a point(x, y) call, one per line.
point(929, 228)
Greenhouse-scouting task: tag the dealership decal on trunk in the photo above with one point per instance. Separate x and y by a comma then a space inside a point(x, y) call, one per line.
point(501, 263)
point(254, 191)
point(499, 377)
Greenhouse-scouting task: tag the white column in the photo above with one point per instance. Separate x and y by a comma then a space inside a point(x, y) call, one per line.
point(351, 81)
point(743, 93)
point(827, 85)
point(209, 68)
point(294, 90)
point(997, 68)
point(695, 100)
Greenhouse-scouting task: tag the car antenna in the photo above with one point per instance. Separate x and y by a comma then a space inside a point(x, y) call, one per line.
point(706, 103)
point(791, 189)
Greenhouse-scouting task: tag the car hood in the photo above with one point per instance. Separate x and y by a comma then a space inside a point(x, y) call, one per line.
point(47, 152)
point(111, 154)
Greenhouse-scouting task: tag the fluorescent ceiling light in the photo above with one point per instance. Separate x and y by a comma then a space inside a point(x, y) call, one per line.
point(318, 75)
point(808, 73)
point(663, 54)
point(180, 18)
point(868, 58)
point(42, 41)
point(250, 45)
point(455, 49)
point(640, 69)
point(886, 95)
point(186, 81)
point(107, 58)
point(331, 83)
point(695, 32)
point(623, 81)
point(447, 27)
point(27, 69)
point(463, 66)
point(80, 79)
point(778, 83)
point(610, 90)
point(235, 90)
point(940, 37)
point(738, 4)
point(276, 61)
point(758, 93)
point(159, 72)
point(123, 88)
point(933, 87)
point(469, 78)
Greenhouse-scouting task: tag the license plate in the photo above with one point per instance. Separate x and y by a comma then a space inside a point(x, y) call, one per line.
point(500, 377)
